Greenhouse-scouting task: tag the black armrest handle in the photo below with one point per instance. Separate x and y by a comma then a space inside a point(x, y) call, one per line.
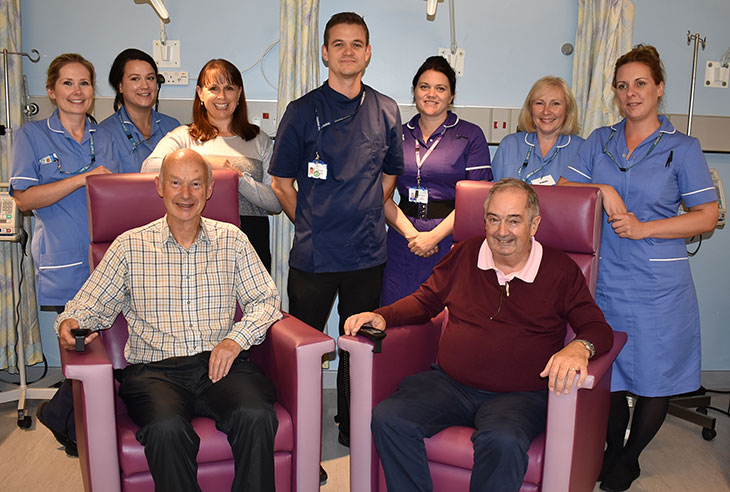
point(373, 334)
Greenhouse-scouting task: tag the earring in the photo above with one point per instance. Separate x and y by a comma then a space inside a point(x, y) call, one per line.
point(202, 105)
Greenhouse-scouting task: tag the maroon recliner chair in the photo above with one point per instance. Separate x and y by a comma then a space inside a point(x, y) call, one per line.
point(111, 459)
point(568, 455)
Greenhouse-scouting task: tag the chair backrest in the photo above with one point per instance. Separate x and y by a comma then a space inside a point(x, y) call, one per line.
point(119, 202)
point(571, 220)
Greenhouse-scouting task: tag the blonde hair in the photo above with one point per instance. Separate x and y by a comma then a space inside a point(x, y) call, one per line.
point(570, 124)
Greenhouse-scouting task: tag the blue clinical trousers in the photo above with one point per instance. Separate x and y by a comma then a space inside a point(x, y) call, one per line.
point(428, 402)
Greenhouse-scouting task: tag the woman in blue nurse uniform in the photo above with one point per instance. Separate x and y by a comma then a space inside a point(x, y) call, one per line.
point(50, 163)
point(439, 149)
point(51, 160)
point(135, 126)
point(548, 142)
point(645, 168)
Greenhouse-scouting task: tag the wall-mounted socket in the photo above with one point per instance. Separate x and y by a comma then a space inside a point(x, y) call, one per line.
point(175, 77)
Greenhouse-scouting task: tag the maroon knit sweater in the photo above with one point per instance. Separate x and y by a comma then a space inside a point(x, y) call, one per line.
point(508, 352)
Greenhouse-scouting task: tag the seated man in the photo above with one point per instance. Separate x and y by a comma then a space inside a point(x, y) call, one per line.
point(509, 299)
point(177, 281)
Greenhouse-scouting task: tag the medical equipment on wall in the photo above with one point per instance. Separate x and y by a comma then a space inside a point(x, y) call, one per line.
point(453, 54)
point(12, 222)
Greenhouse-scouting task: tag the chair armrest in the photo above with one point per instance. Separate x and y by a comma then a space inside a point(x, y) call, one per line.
point(95, 415)
point(576, 428)
point(291, 357)
point(406, 350)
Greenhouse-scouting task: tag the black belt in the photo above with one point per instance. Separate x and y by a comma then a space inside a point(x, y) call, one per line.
point(436, 209)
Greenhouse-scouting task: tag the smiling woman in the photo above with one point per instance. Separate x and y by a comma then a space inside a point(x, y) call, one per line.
point(51, 161)
point(222, 134)
point(645, 168)
point(135, 126)
point(439, 149)
point(548, 140)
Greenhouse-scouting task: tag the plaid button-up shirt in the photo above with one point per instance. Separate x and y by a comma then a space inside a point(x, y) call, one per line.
point(178, 302)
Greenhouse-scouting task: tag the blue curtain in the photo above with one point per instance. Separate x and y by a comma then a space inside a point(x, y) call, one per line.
point(298, 74)
point(604, 33)
point(11, 256)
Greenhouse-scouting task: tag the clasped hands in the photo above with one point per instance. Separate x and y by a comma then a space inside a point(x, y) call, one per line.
point(423, 244)
point(624, 223)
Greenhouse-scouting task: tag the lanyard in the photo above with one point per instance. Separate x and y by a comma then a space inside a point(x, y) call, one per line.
point(79, 171)
point(624, 169)
point(420, 161)
point(527, 160)
point(322, 126)
point(129, 134)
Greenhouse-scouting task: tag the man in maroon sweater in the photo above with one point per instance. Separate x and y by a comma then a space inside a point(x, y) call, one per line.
point(509, 300)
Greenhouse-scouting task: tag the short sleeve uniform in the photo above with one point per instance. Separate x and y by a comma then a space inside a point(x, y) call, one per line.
point(340, 220)
point(131, 148)
point(460, 152)
point(519, 156)
point(645, 286)
point(44, 152)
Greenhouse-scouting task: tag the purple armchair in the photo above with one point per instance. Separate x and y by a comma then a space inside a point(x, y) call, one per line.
point(111, 459)
point(568, 455)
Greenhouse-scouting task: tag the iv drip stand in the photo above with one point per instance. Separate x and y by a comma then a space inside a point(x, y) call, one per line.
point(698, 40)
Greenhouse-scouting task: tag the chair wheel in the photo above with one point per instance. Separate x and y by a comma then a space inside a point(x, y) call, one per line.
point(702, 410)
point(25, 422)
point(708, 434)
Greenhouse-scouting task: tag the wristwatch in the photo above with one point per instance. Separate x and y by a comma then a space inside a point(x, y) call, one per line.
point(588, 345)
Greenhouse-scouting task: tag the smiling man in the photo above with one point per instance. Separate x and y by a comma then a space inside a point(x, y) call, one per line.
point(177, 280)
point(342, 145)
point(509, 300)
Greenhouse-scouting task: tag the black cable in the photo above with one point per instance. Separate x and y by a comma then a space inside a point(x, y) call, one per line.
point(699, 244)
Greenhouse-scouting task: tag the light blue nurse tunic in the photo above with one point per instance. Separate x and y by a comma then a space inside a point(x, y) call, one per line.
point(519, 156)
point(44, 152)
point(644, 286)
point(131, 148)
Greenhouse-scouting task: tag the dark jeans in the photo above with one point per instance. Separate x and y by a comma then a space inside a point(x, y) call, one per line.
point(426, 403)
point(162, 397)
point(311, 296)
point(257, 231)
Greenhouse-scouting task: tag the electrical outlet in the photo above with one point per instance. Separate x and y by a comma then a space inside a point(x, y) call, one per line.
point(175, 77)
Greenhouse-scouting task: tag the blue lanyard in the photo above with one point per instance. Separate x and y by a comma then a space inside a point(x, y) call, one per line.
point(527, 160)
point(624, 169)
point(321, 127)
point(129, 134)
point(79, 171)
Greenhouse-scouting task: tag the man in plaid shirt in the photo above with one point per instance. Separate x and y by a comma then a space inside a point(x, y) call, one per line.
point(177, 280)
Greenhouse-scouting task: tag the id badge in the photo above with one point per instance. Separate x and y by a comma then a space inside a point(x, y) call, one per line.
point(545, 180)
point(317, 169)
point(49, 159)
point(418, 195)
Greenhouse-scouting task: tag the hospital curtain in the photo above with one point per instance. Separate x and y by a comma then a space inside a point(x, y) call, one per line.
point(10, 253)
point(298, 74)
point(604, 33)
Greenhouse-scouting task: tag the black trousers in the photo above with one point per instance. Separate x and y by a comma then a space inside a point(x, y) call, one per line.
point(311, 296)
point(162, 397)
point(257, 231)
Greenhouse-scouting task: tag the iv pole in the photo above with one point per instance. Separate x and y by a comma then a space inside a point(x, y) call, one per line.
point(36, 391)
point(698, 41)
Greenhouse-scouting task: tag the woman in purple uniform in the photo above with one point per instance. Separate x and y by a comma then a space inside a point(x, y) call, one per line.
point(439, 149)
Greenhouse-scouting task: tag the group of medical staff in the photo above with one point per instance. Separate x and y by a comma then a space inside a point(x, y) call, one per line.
point(644, 167)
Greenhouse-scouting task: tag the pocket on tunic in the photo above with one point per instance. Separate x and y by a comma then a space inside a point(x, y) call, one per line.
point(61, 274)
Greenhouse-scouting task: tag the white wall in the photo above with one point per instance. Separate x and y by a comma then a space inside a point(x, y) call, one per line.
point(508, 45)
